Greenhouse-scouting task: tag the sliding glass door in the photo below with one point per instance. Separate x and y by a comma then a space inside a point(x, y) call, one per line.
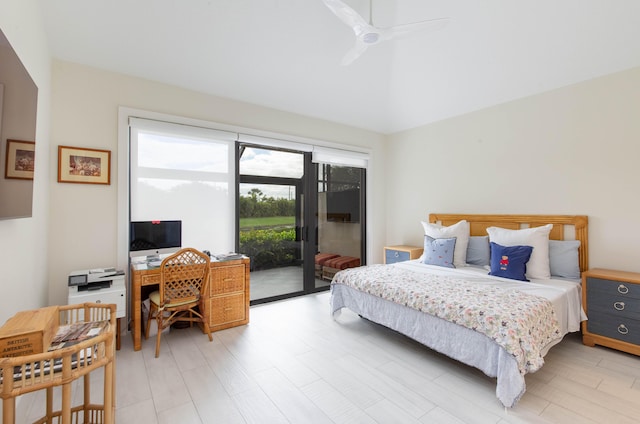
point(271, 220)
point(290, 209)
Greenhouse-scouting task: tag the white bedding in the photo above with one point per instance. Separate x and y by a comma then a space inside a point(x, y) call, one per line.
point(460, 343)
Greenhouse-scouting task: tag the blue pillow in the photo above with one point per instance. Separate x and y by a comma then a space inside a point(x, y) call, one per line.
point(510, 262)
point(478, 252)
point(563, 258)
point(439, 251)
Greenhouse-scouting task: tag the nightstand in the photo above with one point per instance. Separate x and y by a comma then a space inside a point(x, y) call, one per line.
point(393, 254)
point(611, 300)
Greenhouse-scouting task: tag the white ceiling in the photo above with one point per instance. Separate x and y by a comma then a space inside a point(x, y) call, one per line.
point(286, 54)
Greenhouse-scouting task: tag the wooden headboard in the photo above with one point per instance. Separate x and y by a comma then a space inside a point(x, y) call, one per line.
point(563, 227)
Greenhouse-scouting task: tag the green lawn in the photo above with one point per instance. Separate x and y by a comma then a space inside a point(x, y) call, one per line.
point(269, 221)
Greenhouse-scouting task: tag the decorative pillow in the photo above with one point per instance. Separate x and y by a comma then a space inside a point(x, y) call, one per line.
point(537, 237)
point(439, 251)
point(478, 252)
point(459, 230)
point(563, 258)
point(510, 261)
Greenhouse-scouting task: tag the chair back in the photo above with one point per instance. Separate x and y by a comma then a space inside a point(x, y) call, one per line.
point(184, 276)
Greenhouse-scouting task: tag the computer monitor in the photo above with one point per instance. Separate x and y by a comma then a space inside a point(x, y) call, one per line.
point(154, 238)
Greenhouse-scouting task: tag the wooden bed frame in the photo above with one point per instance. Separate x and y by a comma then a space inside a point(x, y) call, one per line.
point(562, 226)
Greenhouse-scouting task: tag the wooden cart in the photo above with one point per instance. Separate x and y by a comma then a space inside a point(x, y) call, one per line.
point(44, 371)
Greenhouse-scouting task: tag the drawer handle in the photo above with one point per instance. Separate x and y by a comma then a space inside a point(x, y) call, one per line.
point(228, 309)
point(622, 329)
point(227, 279)
point(396, 254)
point(618, 306)
point(622, 289)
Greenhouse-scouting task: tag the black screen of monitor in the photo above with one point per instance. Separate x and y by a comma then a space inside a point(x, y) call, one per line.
point(155, 235)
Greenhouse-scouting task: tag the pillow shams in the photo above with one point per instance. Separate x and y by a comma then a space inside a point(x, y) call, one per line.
point(478, 251)
point(537, 237)
point(459, 230)
point(510, 262)
point(439, 251)
point(563, 258)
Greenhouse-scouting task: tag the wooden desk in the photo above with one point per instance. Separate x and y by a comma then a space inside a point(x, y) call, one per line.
point(226, 305)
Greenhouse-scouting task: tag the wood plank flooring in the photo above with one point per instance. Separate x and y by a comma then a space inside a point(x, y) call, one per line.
point(295, 364)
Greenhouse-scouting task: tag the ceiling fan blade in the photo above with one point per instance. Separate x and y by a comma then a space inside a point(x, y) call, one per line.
point(400, 31)
point(347, 15)
point(354, 53)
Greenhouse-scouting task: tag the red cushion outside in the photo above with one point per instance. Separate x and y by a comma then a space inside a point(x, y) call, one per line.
point(321, 258)
point(343, 262)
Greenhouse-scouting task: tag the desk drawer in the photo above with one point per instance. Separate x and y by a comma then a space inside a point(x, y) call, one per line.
point(227, 309)
point(151, 279)
point(227, 279)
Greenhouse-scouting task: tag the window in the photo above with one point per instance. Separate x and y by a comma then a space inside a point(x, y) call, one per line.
point(179, 172)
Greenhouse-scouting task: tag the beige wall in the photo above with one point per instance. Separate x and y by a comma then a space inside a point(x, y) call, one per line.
point(85, 114)
point(573, 150)
point(23, 242)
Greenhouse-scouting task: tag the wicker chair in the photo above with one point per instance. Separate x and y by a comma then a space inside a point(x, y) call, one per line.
point(183, 277)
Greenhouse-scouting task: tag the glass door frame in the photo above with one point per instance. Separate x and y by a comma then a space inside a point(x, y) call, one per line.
point(305, 219)
point(306, 223)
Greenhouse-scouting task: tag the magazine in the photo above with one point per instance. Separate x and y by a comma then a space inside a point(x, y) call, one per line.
point(68, 335)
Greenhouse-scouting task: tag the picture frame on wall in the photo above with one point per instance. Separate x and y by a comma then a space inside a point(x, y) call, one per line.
point(83, 165)
point(20, 160)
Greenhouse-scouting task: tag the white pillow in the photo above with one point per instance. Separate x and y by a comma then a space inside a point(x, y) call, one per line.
point(538, 238)
point(459, 230)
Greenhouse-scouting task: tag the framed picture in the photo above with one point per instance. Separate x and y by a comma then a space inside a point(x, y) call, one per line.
point(20, 161)
point(84, 166)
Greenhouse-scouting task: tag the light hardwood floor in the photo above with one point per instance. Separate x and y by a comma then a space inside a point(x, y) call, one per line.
point(294, 364)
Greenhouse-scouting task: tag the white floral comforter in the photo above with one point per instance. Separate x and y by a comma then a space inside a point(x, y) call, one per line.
point(523, 324)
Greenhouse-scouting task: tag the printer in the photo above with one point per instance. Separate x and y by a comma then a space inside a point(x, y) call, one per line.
point(95, 279)
point(101, 285)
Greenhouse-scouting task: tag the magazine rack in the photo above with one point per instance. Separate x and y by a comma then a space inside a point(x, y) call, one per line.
point(61, 367)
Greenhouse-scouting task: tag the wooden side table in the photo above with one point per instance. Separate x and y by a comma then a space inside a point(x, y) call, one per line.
point(611, 300)
point(44, 371)
point(400, 253)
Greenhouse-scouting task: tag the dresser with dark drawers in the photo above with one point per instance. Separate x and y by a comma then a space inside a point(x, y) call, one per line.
point(611, 300)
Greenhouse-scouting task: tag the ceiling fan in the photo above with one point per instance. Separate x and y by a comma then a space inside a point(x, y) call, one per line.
point(367, 34)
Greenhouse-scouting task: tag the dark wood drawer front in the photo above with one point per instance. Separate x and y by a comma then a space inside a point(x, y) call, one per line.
point(621, 288)
point(619, 328)
point(612, 304)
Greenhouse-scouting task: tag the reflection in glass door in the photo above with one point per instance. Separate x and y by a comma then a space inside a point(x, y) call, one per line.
point(341, 216)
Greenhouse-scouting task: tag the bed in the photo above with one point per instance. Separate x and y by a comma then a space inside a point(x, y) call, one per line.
point(498, 323)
